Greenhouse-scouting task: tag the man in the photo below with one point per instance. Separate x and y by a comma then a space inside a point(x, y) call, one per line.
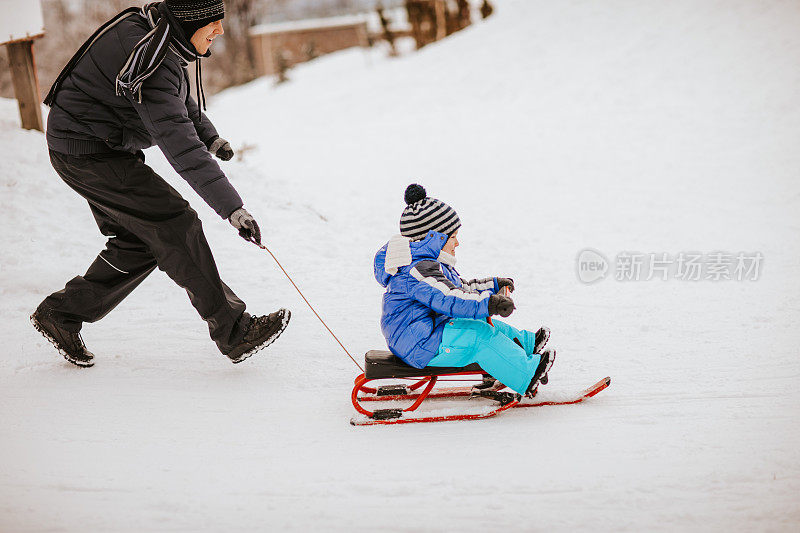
point(127, 89)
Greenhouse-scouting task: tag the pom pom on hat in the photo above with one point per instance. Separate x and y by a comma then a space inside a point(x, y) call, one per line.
point(415, 193)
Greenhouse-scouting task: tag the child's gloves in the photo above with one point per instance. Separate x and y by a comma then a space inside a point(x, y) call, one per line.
point(505, 282)
point(500, 305)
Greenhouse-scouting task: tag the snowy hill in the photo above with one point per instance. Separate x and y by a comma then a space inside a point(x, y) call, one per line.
point(639, 127)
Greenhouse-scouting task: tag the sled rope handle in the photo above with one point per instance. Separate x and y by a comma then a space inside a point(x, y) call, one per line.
point(306, 300)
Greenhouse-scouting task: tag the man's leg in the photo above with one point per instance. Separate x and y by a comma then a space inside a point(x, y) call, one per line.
point(181, 250)
point(134, 197)
point(120, 268)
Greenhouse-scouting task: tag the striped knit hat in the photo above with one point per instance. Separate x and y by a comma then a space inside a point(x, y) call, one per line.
point(194, 14)
point(423, 214)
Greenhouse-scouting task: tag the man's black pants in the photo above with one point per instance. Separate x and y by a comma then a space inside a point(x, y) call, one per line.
point(148, 224)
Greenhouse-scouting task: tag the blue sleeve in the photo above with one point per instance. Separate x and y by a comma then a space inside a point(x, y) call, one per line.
point(434, 290)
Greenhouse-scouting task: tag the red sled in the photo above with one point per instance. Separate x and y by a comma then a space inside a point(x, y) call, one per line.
point(381, 365)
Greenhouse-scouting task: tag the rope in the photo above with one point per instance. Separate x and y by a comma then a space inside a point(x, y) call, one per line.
point(307, 302)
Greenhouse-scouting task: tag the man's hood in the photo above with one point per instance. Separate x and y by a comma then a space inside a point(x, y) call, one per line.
point(400, 252)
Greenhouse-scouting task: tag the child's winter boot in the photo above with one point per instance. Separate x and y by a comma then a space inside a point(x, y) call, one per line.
point(540, 376)
point(542, 336)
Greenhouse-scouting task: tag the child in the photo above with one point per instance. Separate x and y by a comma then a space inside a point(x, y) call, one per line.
point(432, 317)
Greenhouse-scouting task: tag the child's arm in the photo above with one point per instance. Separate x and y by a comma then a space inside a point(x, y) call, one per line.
point(434, 290)
point(480, 285)
point(495, 284)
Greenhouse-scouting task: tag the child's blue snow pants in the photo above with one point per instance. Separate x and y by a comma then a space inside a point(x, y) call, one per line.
point(466, 341)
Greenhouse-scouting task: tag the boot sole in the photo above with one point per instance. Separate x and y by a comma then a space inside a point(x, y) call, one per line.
point(46, 335)
point(252, 351)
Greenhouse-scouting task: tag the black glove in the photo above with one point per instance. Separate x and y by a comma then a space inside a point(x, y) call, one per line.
point(246, 224)
point(500, 305)
point(505, 282)
point(221, 148)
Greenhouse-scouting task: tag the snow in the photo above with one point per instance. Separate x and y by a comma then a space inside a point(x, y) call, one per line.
point(21, 19)
point(552, 127)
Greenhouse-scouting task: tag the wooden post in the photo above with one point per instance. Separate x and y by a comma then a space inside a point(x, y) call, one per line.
point(441, 19)
point(26, 83)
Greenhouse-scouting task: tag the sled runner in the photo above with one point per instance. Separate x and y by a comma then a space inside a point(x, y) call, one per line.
point(382, 365)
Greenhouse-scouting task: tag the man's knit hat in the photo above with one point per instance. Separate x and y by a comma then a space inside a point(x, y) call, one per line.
point(423, 214)
point(194, 14)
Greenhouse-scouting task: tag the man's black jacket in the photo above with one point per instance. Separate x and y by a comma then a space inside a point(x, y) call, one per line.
point(88, 117)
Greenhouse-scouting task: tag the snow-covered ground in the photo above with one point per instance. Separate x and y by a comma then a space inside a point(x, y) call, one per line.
point(649, 126)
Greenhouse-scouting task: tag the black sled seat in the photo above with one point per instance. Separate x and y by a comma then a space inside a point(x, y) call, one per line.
point(382, 364)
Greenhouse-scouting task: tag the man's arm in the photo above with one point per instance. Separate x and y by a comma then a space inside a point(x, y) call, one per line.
point(207, 132)
point(205, 128)
point(166, 117)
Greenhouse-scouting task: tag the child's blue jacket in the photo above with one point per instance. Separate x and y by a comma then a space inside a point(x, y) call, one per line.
point(423, 290)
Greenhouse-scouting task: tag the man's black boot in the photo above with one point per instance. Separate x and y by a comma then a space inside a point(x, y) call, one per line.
point(262, 331)
point(68, 344)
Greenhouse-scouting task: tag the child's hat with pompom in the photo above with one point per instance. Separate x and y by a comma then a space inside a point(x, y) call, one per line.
point(423, 214)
